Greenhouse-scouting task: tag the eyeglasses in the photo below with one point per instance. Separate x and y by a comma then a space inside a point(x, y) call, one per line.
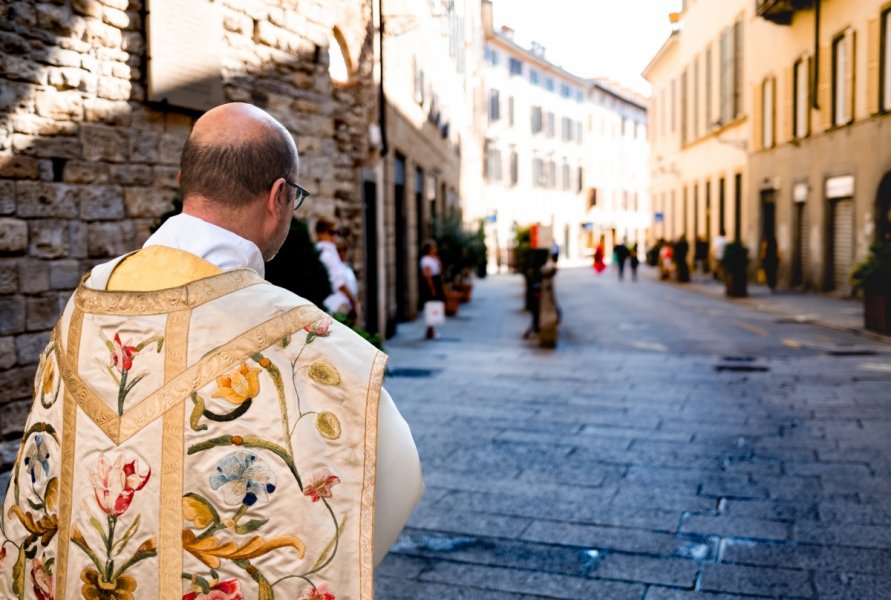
point(300, 195)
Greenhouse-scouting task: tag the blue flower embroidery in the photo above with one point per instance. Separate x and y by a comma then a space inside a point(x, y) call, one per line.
point(37, 459)
point(243, 478)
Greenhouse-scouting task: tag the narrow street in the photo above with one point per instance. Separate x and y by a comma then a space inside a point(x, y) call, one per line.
point(675, 445)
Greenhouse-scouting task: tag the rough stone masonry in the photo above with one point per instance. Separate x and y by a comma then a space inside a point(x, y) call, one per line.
point(87, 166)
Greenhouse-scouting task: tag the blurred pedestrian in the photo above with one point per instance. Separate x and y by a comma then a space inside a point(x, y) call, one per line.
point(620, 255)
point(770, 261)
point(349, 275)
point(432, 289)
point(599, 254)
point(718, 245)
point(700, 255)
point(635, 262)
point(666, 256)
point(341, 299)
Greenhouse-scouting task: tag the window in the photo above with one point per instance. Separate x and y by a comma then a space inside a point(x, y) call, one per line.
point(843, 78)
point(885, 77)
point(516, 67)
point(419, 83)
point(550, 126)
point(536, 119)
point(491, 56)
point(579, 96)
point(674, 103)
point(538, 174)
point(768, 98)
point(566, 128)
point(696, 115)
point(534, 76)
point(552, 174)
point(665, 109)
point(494, 106)
point(738, 69)
point(567, 176)
point(510, 111)
point(684, 107)
point(493, 163)
point(580, 180)
point(549, 84)
point(709, 119)
point(578, 132)
point(514, 168)
point(565, 91)
point(800, 106)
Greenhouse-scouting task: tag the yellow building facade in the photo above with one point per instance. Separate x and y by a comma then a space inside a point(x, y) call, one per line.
point(820, 168)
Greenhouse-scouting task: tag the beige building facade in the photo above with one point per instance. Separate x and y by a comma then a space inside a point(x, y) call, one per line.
point(430, 58)
point(559, 151)
point(821, 165)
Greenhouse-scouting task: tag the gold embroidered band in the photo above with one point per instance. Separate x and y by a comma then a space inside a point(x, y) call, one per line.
point(163, 301)
point(214, 364)
point(366, 514)
point(170, 555)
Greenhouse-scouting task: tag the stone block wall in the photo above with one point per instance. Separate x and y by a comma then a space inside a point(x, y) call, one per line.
point(87, 165)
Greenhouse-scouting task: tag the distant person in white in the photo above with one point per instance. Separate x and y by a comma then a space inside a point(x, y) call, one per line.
point(342, 299)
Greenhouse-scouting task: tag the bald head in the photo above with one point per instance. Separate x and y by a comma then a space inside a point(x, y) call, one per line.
point(234, 154)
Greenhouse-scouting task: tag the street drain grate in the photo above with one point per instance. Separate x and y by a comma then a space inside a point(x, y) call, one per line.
point(738, 358)
point(852, 352)
point(738, 368)
point(410, 372)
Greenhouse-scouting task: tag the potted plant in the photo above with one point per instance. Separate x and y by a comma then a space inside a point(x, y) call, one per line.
point(735, 263)
point(873, 278)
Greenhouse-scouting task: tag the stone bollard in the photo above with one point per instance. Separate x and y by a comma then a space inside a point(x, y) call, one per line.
point(548, 312)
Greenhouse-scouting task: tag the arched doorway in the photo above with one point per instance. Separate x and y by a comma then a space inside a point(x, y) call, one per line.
point(883, 209)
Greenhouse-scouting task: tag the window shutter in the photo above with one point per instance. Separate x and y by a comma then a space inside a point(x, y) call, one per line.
point(787, 113)
point(824, 87)
point(850, 40)
point(757, 116)
point(873, 46)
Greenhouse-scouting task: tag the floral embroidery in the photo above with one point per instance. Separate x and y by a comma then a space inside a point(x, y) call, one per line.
point(115, 485)
point(36, 460)
point(120, 362)
point(320, 484)
point(318, 593)
point(243, 478)
point(321, 371)
point(49, 384)
point(224, 590)
point(328, 425)
point(320, 328)
point(238, 385)
point(42, 580)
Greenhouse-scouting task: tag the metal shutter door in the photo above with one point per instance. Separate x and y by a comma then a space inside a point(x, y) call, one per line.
point(842, 244)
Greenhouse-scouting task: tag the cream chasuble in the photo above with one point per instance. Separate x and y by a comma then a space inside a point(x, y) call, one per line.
point(212, 439)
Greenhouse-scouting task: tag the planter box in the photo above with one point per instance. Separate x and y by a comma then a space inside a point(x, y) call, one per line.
point(877, 311)
point(464, 291)
point(453, 299)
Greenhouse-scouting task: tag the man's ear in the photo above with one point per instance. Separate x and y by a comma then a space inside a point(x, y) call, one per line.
point(275, 197)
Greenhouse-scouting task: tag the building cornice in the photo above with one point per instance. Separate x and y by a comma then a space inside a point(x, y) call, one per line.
point(661, 54)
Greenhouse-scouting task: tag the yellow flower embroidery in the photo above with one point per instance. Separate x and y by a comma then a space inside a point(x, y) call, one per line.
point(321, 371)
point(238, 385)
point(198, 511)
point(49, 372)
point(209, 550)
point(96, 588)
point(328, 425)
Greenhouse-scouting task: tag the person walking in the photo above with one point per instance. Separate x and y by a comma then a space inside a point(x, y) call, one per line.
point(341, 300)
point(599, 254)
point(198, 431)
point(635, 262)
point(621, 254)
point(432, 289)
point(770, 262)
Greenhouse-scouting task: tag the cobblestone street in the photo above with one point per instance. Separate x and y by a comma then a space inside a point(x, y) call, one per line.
point(675, 445)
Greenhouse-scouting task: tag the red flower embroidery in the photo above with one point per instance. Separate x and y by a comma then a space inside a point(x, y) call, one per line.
point(42, 580)
point(318, 593)
point(122, 354)
point(115, 485)
point(320, 484)
point(224, 590)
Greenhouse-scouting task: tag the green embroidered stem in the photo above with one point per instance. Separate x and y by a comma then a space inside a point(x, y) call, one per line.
point(337, 532)
point(140, 555)
point(109, 563)
point(82, 544)
point(122, 392)
point(276, 377)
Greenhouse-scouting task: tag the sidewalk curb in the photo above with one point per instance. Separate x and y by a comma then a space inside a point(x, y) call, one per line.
point(754, 304)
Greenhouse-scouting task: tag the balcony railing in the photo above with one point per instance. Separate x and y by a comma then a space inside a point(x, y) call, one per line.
point(780, 11)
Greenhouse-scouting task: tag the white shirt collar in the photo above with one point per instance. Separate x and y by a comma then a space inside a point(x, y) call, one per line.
point(214, 244)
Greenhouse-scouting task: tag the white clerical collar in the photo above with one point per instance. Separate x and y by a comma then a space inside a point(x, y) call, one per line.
point(214, 244)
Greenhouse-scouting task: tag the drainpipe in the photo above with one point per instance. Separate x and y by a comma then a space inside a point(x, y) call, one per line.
point(815, 102)
point(382, 99)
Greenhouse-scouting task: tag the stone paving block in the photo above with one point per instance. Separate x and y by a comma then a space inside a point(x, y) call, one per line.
point(663, 593)
point(739, 527)
point(777, 510)
point(622, 539)
point(852, 587)
point(773, 582)
point(807, 556)
point(787, 487)
point(641, 495)
point(402, 566)
point(435, 518)
point(859, 536)
point(629, 567)
point(840, 511)
point(388, 588)
point(525, 582)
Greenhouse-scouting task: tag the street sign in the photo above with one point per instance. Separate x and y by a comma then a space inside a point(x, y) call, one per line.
point(659, 217)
